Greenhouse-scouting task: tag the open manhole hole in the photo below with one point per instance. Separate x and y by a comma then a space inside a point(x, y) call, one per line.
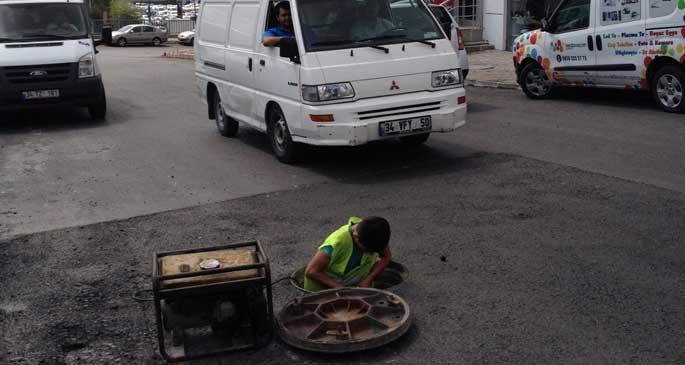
point(344, 320)
point(393, 275)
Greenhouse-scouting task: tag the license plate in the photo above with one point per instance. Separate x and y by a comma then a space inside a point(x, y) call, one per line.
point(40, 94)
point(402, 126)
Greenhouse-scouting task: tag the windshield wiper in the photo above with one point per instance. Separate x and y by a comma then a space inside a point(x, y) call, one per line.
point(380, 38)
point(429, 43)
point(8, 40)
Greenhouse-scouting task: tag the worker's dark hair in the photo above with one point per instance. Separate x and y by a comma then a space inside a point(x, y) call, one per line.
point(374, 233)
point(282, 5)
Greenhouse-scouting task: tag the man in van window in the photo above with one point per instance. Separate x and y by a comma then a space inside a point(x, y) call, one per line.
point(272, 36)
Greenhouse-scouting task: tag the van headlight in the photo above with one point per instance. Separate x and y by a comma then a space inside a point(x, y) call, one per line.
point(328, 92)
point(445, 78)
point(86, 66)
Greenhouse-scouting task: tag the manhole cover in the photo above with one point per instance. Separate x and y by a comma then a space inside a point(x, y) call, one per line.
point(393, 275)
point(344, 320)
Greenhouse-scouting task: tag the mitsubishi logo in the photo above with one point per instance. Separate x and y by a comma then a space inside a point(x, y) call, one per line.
point(38, 73)
point(394, 86)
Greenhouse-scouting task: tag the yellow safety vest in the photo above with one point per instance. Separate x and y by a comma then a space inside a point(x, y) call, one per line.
point(341, 242)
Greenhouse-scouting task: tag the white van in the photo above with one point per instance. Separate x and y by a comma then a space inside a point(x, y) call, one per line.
point(47, 57)
point(326, 86)
point(626, 44)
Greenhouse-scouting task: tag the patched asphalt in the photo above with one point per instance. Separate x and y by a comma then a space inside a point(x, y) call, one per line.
point(542, 264)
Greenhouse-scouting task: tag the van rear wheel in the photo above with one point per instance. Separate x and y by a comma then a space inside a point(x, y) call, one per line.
point(668, 89)
point(282, 143)
point(535, 83)
point(227, 126)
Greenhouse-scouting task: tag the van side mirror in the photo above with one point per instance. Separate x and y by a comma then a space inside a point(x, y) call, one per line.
point(288, 49)
point(545, 24)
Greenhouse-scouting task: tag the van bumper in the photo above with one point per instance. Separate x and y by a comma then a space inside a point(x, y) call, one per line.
point(72, 93)
point(358, 122)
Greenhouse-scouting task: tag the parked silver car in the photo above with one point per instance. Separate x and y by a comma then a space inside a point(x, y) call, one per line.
point(139, 34)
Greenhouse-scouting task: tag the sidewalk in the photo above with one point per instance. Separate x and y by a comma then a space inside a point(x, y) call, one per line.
point(492, 68)
point(489, 68)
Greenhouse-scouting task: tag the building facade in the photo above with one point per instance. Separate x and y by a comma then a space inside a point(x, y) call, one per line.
point(498, 22)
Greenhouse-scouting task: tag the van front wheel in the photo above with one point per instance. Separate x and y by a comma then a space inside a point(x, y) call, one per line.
point(534, 82)
point(282, 143)
point(668, 89)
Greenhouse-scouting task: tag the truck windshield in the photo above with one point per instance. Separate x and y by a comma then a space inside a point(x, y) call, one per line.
point(339, 24)
point(41, 22)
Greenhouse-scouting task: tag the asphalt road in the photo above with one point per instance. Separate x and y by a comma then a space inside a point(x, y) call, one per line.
point(560, 223)
point(157, 151)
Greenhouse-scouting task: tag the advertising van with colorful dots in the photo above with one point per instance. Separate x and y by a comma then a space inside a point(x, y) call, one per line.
point(627, 44)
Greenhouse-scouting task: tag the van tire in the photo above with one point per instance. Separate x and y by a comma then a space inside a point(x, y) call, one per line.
point(156, 42)
point(415, 140)
point(98, 110)
point(227, 126)
point(535, 83)
point(282, 143)
point(668, 89)
point(121, 42)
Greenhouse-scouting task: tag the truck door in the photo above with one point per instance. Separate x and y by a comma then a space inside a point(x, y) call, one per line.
point(572, 42)
point(619, 35)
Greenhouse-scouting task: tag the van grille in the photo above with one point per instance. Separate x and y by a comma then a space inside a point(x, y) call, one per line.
point(400, 110)
point(37, 73)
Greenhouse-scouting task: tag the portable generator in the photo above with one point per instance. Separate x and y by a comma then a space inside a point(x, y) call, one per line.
point(212, 301)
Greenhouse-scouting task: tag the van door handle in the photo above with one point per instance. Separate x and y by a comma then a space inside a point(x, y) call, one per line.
point(599, 42)
point(262, 62)
point(590, 43)
point(249, 64)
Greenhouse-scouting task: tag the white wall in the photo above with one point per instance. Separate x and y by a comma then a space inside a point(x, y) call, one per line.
point(494, 23)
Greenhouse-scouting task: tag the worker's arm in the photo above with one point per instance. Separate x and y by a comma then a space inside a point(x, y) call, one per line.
point(385, 258)
point(269, 41)
point(316, 270)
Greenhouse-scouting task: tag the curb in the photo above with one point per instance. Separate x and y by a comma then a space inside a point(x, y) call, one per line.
point(493, 84)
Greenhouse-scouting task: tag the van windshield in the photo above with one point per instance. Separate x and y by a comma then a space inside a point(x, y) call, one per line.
point(338, 24)
point(41, 21)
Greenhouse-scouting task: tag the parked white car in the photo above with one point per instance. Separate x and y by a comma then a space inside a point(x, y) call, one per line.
point(328, 85)
point(187, 38)
point(633, 45)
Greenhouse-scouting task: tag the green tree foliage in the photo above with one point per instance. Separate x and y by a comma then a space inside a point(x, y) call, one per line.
point(122, 9)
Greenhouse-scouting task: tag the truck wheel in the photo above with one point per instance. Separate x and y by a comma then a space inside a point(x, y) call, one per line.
point(535, 83)
point(415, 140)
point(156, 42)
point(284, 148)
point(227, 126)
point(98, 110)
point(668, 89)
point(121, 42)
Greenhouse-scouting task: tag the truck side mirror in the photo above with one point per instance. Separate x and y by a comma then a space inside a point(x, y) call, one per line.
point(288, 49)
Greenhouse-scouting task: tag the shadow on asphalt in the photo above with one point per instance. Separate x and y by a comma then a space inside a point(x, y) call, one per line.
point(48, 120)
point(607, 97)
point(377, 161)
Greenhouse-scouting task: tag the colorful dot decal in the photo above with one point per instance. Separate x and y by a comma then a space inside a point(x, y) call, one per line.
point(681, 4)
point(679, 48)
point(648, 60)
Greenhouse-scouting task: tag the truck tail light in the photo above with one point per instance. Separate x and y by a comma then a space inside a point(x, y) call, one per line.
point(460, 39)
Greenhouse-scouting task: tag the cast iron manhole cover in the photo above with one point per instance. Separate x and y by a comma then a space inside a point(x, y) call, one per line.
point(344, 320)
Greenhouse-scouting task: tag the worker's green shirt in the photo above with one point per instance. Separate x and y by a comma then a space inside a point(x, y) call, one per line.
point(345, 266)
